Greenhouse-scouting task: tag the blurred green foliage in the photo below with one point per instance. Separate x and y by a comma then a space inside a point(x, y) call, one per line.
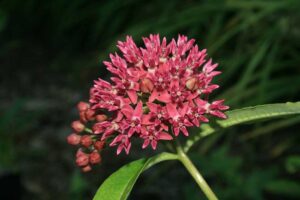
point(52, 50)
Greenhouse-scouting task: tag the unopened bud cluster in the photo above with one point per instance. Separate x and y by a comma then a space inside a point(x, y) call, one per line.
point(90, 145)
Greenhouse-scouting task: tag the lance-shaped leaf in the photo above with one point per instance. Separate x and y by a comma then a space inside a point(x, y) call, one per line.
point(120, 183)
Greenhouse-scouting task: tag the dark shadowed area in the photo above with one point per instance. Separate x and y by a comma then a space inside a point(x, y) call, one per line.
point(51, 51)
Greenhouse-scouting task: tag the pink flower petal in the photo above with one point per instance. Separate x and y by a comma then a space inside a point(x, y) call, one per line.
point(133, 96)
point(184, 131)
point(200, 103)
point(176, 131)
point(116, 140)
point(119, 149)
point(164, 97)
point(131, 132)
point(165, 127)
point(196, 122)
point(146, 120)
point(127, 111)
point(152, 107)
point(153, 95)
point(172, 111)
point(138, 111)
point(218, 114)
point(184, 109)
point(153, 144)
point(127, 148)
point(164, 136)
point(146, 143)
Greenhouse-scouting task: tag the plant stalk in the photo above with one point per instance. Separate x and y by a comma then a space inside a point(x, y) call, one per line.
point(195, 173)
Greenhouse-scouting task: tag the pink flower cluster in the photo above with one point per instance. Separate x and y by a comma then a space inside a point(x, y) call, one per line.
point(155, 93)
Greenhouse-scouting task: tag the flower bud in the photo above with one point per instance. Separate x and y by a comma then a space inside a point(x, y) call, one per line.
point(90, 114)
point(101, 118)
point(99, 145)
point(191, 84)
point(79, 153)
point(82, 116)
point(82, 106)
point(73, 139)
point(86, 141)
point(82, 160)
point(95, 157)
point(86, 168)
point(146, 85)
point(77, 126)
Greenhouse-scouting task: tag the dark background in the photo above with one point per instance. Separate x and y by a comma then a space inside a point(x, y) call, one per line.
point(51, 51)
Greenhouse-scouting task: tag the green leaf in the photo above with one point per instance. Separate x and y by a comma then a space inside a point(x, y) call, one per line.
point(270, 128)
point(284, 187)
point(292, 164)
point(120, 183)
point(249, 114)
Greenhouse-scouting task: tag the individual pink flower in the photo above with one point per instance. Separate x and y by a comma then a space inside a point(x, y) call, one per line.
point(134, 118)
point(123, 142)
point(152, 135)
point(178, 119)
point(156, 92)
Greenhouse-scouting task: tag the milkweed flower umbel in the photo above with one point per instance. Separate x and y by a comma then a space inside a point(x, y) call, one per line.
point(155, 93)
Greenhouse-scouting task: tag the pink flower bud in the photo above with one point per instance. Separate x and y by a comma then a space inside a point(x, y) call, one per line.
point(82, 116)
point(77, 126)
point(86, 168)
point(191, 84)
point(82, 106)
point(101, 118)
point(99, 145)
point(95, 157)
point(86, 141)
point(90, 114)
point(73, 139)
point(79, 153)
point(82, 160)
point(146, 85)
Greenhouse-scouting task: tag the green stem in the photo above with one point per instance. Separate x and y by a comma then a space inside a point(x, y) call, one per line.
point(88, 130)
point(195, 173)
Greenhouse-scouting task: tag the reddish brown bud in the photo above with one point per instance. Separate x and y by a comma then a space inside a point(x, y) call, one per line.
point(86, 168)
point(99, 145)
point(83, 106)
point(82, 160)
point(95, 157)
point(90, 114)
point(82, 116)
point(146, 85)
point(77, 126)
point(73, 139)
point(79, 153)
point(86, 140)
point(191, 84)
point(101, 118)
